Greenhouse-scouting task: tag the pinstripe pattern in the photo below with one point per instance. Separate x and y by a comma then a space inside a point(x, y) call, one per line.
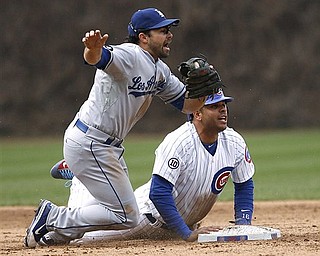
point(80, 196)
point(192, 176)
point(143, 231)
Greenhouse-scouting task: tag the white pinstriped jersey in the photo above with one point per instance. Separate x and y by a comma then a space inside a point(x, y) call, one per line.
point(122, 93)
point(197, 176)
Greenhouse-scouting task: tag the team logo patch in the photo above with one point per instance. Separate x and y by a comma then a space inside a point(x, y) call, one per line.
point(160, 13)
point(219, 92)
point(247, 155)
point(173, 163)
point(220, 179)
point(139, 87)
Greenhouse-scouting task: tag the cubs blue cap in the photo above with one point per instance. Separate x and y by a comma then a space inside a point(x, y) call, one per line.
point(217, 97)
point(147, 19)
point(212, 99)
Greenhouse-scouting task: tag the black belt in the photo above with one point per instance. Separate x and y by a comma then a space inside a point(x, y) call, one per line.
point(110, 141)
point(153, 220)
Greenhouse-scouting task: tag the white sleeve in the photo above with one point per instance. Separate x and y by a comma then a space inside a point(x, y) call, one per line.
point(173, 87)
point(122, 59)
point(169, 161)
point(244, 168)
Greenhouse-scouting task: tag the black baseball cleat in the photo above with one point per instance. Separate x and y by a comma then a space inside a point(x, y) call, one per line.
point(38, 228)
point(61, 171)
point(53, 238)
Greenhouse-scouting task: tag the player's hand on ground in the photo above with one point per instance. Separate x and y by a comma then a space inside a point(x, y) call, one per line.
point(203, 230)
point(94, 40)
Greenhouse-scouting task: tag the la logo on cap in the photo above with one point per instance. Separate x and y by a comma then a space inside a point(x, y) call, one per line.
point(159, 12)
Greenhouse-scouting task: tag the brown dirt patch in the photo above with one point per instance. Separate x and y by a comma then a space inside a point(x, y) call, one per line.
point(299, 222)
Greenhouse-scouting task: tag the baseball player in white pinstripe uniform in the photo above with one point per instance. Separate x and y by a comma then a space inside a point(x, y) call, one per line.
point(192, 166)
point(128, 76)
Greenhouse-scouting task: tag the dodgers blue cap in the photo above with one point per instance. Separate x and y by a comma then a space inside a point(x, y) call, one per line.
point(147, 19)
point(217, 97)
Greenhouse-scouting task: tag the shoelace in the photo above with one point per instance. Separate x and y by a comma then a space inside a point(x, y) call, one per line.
point(66, 174)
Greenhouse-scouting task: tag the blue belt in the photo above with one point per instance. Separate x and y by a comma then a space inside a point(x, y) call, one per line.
point(82, 126)
point(110, 141)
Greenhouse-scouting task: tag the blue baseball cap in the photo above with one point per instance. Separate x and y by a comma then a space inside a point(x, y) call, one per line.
point(217, 97)
point(147, 19)
point(212, 99)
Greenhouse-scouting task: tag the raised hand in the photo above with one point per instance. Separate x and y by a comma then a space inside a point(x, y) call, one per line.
point(93, 41)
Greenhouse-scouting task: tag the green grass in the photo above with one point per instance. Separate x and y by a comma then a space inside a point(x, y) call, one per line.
point(287, 166)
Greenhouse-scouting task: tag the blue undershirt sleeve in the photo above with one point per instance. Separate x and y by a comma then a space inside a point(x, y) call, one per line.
point(105, 58)
point(161, 196)
point(178, 103)
point(243, 202)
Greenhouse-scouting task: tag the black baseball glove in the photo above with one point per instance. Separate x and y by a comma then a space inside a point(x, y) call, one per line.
point(200, 77)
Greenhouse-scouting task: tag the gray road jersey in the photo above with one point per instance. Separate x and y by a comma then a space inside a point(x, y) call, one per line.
point(122, 93)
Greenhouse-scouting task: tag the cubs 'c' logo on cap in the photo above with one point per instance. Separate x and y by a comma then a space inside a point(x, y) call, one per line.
point(220, 179)
point(173, 163)
point(247, 155)
point(219, 92)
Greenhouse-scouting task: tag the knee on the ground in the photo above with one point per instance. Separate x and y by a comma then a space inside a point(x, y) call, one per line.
point(132, 219)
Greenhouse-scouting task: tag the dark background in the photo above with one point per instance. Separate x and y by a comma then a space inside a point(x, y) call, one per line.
point(267, 53)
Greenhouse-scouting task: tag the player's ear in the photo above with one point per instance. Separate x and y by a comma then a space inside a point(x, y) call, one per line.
point(197, 115)
point(143, 37)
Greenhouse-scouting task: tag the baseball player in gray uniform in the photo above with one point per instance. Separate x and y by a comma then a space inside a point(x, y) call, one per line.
point(192, 166)
point(128, 76)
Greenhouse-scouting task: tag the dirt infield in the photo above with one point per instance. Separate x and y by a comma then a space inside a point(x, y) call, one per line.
point(299, 222)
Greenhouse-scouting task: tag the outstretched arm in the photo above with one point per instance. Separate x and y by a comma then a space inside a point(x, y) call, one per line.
point(161, 196)
point(243, 202)
point(93, 42)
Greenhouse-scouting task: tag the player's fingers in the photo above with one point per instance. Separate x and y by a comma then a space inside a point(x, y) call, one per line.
point(93, 38)
point(86, 36)
point(89, 33)
point(92, 33)
point(104, 38)
point(210, 229)
point(215, 228)
point(97, 32)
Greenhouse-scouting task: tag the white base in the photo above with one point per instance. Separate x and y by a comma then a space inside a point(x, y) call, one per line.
point(240, 233)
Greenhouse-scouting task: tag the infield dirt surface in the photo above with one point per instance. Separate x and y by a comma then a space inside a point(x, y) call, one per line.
point(298, 221)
